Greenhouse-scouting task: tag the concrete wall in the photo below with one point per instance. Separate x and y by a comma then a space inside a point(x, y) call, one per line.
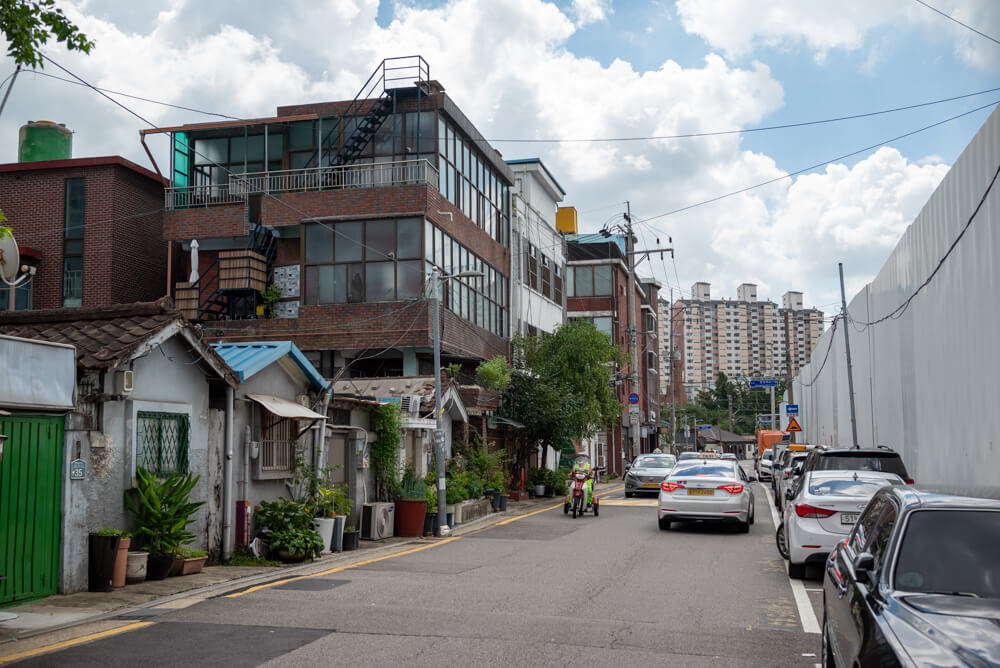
point(925, 381)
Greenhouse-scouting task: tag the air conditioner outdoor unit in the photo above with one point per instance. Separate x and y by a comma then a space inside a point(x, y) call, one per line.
point(123, 382)
point(410, 403)
point(377, 520)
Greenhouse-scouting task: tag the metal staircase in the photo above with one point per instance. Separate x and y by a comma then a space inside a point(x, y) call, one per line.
point(226, 302)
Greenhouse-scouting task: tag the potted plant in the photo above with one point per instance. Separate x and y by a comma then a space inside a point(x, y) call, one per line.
point(135, 568)
point(102, 551)
point(539, 478)
point(194, 561)
point(351, 535)
point(162, 512)
point(431, 513)
point(411, 506)
point(324, 521)
point(342, 506)
point(288, 527)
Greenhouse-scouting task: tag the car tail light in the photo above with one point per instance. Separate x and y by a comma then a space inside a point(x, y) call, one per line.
point(909, 481)
point(805, 510)
point(670, 486)
point(732, 489)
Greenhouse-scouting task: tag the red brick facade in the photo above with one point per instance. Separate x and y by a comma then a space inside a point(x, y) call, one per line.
point(124, 255)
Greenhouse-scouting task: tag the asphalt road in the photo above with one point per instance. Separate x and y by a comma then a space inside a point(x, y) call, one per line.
point(541, 590)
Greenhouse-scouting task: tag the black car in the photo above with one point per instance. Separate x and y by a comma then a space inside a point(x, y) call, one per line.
point(916, 583)
point(856, 459)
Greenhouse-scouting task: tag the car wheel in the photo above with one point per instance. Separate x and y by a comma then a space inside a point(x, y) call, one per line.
point(753, 512)
point(628, 494)
point(796, 571)
point(597, 508)
point(827, 655)
point(743, 527)
point(664, 523)
point(781, 541)
point(566, 508)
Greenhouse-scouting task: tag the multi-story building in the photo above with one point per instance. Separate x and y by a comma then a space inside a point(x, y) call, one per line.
point(597, 278)
point(91, 228)
point(346, 207)
point(538, 251)
point(741, 337)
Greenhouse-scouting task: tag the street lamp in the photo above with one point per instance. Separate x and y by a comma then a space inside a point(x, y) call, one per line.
point(436, 279)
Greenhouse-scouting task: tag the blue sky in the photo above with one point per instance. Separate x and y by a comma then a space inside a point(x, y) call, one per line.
point(595, 68)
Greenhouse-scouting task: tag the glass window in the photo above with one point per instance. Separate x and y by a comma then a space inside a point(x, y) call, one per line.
point(356, 283)
point(347, 242)
point(301, 135)
point(420, 131)
point(162, 441)
point(211, 151)
point(584, 281)
point(72, 282)
point(409, 279)
point(438, 247)
point(74, 208)
point(603, 324)
point(442, 133)
point(448, 243)
point(319, 244)
point(379, 282)
point(408, 238)
point(380, 239)
point(602, 279)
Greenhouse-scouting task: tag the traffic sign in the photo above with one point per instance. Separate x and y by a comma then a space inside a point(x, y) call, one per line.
point(704, 426)
point(791, 409)
point(633, 398)
point(763, 382)
point(793, 425)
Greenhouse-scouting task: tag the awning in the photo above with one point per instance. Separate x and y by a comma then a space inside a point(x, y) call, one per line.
point(285, 408)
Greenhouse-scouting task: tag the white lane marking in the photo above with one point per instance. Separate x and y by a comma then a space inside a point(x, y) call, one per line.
point(806, 614)
point(814, 589)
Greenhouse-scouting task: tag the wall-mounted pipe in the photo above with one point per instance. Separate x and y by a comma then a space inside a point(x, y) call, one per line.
point(227, 494)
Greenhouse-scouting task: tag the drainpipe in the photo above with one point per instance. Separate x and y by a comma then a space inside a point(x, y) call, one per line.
point(227, 493)
point(321, 446)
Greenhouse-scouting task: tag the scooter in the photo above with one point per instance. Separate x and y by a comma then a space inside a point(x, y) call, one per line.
point(576, 499)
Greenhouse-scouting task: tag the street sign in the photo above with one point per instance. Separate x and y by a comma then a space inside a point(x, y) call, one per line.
point(793, 425)
point(704, 426)
point(791, 409)
point(763, 382)
point(633, 409)
point(633, 398)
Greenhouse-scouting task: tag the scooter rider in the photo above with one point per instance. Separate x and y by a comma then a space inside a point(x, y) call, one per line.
point(582, 463)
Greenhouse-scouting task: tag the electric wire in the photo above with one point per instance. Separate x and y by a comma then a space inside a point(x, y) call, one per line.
point(952, 18)
point(826, 356)
point(899, 310)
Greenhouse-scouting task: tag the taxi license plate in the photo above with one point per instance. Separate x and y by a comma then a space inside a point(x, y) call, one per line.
point(848, 518)
point(650, 484)
point(701, 492)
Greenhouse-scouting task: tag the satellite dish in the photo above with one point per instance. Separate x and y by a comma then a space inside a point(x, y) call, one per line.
point(10, 259)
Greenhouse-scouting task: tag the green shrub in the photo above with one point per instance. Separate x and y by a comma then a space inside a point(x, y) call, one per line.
point(162, 511)
point(113, 532)
point(413, 487)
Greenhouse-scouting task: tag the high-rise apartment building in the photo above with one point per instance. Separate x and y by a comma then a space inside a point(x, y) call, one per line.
point(741, 337)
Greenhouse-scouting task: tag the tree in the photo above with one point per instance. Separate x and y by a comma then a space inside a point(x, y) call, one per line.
point(4, 231)
point(28, 24)
point(494, 374)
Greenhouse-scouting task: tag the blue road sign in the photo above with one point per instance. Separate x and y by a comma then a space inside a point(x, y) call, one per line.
point(763, 382)
point(633, 398)
point(704, 426)
point(792, 409)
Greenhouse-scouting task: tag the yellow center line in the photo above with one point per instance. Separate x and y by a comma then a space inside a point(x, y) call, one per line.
point(534, 512)
point(71, 643)
point(338, 569)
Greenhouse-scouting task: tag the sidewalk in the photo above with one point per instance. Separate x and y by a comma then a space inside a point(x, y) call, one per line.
point(59, 612)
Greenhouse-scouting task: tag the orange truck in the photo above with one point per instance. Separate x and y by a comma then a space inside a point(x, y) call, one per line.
point(766, 438)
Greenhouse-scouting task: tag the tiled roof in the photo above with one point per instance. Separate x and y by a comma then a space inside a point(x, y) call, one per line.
point(108, 336)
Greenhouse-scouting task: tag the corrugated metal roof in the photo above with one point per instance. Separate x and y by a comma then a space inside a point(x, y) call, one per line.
point(249, 358)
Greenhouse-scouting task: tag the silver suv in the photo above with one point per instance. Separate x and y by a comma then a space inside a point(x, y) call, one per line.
point(764, 464)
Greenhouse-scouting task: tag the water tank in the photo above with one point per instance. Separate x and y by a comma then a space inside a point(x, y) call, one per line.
point(44, 140)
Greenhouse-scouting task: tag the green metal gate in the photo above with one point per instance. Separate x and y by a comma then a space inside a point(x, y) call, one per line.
point(30, 506)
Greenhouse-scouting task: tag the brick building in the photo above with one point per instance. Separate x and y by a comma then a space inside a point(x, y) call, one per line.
point(596, 283)
point(346, 206)
point(92, 228)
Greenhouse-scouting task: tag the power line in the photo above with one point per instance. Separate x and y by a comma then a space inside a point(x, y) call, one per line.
point(899, 310)
point(952, 18)
point(829, 347)
point(817, 165)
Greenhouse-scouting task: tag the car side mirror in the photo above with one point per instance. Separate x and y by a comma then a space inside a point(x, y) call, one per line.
point(797, 470)
point(864, 563)
point(789, 494)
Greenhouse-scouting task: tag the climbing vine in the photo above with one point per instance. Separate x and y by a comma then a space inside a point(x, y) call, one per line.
point(385, 451)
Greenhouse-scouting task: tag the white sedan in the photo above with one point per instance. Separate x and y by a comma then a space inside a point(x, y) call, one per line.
point(822, 510)
point(714, 490)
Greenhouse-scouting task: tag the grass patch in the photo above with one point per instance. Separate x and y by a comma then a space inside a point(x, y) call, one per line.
point(242, 557)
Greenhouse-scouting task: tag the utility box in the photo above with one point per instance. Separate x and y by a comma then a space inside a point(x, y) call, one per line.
point(566, 220)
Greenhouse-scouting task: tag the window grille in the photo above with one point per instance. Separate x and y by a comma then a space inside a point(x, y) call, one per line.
point(277, 447)
point(163, 440)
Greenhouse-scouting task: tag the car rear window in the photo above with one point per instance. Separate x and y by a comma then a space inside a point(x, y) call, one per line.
point(767, 455)
point(951, 551)
point(654, 462)
point(864, 461)
point(846, 487)
point(703, 470)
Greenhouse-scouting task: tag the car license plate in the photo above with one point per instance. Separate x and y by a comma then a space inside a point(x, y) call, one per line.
point(701, 492)
point(650, 484)
point(848, 518)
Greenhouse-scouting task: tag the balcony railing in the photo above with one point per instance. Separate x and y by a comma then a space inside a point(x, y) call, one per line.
point(369, 175)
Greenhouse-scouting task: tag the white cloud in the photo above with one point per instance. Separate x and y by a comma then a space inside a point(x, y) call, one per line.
point(591, 11)
point(745, 25)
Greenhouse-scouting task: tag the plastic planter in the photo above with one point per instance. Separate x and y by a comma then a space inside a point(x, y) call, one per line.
point(410, 517)
point(102, 551)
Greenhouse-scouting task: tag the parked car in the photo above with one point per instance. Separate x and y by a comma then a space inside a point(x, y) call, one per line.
point(728, 455)
point(647, 472)
point(823, 512)
point(857, 459)
point(785, 476)
point(710, 490)
point(689, 455)
point(917, 583)
point(764, 464)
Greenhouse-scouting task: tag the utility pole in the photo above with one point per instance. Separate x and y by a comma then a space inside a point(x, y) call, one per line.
point(673, 391)
point(633, 338)
point(788, 359)
point(847, 346)
point(13, 78)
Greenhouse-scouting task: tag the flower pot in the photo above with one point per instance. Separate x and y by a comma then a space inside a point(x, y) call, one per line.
point(503, 502)
point(102, 551)
point(175, 568)
point(494, 497)
point(158, 566)
point(410, 517)
point(121, 562)
point(351, 540)
point(285, 556)
point(324, 527)
point(430, 523)
point(193, 565)
point(339, 522)
point(135, 567)
point(539, 490)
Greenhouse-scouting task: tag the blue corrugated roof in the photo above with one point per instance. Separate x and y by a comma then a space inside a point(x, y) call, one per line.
point(246, 359)
point(597, 238)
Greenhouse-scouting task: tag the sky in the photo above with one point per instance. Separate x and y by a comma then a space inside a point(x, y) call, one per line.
point(596, 69)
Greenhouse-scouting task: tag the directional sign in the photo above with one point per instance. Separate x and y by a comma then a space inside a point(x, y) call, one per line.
point(633, 398)
point(793, 425)
point(704, 426)
point(791, 409)
point(763, 382)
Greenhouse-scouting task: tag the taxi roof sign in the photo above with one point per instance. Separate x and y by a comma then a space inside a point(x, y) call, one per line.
point(793, 425)
point(708, 455)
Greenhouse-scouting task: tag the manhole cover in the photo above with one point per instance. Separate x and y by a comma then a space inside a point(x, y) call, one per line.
point(312, 584)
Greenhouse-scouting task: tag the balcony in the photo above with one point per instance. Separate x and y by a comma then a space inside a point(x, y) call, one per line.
point(344, 177)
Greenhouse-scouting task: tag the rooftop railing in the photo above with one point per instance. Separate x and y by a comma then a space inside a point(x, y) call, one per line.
point(240, 186)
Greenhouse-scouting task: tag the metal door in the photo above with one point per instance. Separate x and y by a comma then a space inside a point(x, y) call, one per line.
point(30, 506)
